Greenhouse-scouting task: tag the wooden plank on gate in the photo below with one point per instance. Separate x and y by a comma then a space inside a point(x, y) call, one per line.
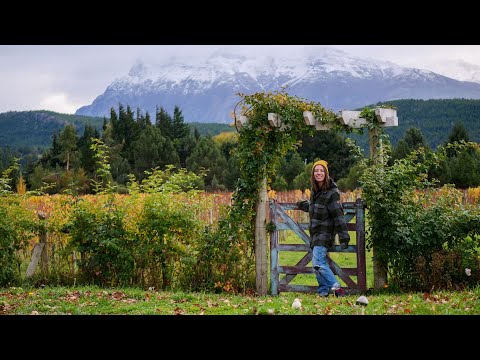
point(292, 270)
point(351, 227)
point(298, 288)
point(350, 271)
point(293, 247)
point(337, 248)
point(303, 262)
point(293, 225)
point(339, 271)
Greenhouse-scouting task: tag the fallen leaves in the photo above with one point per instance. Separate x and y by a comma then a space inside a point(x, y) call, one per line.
point(178, 311)
point(134, 301)
point(5, 308)
point(211, 304)
point(118, 295)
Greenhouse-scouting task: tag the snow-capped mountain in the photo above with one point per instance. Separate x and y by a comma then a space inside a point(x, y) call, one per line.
point(207, 91)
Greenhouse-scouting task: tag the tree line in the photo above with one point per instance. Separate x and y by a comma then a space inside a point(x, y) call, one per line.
point(136, 144)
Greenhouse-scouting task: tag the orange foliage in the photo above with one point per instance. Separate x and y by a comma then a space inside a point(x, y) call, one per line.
point(58, 208)
point(21, 186)
point(472, 196)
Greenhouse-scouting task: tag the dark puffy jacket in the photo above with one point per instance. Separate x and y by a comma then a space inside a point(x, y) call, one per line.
point(326, 217)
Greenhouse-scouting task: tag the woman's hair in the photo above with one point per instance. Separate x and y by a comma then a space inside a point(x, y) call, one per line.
point(324, 185)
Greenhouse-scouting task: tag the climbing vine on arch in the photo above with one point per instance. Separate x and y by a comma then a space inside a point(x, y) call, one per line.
point(261, 146)
point(259, 150)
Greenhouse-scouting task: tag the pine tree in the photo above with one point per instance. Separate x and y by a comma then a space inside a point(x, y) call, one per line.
point(152, 149)
point(105, 123)
point(180, 129)
point(207, 155)
point(163, 121)
point(196, 134)
point(461, 167)
point(412, 140)
point(68, 145)
point(87, 161)
point(290, 166)
point(51, 157)
point(458, 133)
point(143, 122)
point(114, 123)
point(329, 146)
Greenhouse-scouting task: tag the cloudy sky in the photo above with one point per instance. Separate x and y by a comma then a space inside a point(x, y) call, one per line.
point(63, 78)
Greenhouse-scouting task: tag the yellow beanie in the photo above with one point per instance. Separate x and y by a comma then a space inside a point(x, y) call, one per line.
point(320, 162)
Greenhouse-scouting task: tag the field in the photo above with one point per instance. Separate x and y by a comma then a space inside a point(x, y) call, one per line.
point(87, 300)
point(130, 301)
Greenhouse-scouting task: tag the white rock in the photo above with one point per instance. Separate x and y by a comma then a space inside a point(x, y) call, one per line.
point(296, 304)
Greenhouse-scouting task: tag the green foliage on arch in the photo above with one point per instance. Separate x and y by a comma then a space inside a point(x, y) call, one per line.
point(229, 249)
point(261, 146)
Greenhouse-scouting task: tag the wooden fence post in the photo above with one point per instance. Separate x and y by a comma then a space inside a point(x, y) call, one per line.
point(360, 234)
point(261, 278)
point(39, 250)
point(274, 240)
point(376, 154)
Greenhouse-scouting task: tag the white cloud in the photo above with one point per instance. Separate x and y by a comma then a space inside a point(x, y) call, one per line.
point(59, 103)
point(65, 77)
point(415, 55)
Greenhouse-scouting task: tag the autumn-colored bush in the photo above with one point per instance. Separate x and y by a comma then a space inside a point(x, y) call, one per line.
point(16, 227)
point(472, 196)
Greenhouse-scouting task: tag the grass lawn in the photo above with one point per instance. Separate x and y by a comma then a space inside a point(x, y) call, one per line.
point(92, 300)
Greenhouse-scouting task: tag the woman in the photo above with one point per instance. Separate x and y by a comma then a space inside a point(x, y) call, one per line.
point(326, 220)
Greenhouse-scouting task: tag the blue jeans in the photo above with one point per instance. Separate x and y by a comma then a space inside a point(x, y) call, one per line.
point(325, 276)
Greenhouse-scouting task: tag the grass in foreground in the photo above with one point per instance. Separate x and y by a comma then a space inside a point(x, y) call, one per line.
point(130, 301)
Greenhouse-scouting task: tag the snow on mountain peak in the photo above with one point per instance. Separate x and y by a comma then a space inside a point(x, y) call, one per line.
point(206, 87)
point(223, 65)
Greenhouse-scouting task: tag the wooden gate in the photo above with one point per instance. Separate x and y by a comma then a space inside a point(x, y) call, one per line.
point(283, 221)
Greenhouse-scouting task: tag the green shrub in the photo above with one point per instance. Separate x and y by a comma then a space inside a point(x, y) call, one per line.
point(99, 235)
point(426, 241)
point(166, 240)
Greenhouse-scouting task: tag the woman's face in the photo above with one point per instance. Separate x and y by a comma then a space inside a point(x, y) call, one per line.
point(319, 173)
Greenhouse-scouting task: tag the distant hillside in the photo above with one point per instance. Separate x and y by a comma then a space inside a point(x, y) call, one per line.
point(31, 129)
point(211, 129)
point(434, 118)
